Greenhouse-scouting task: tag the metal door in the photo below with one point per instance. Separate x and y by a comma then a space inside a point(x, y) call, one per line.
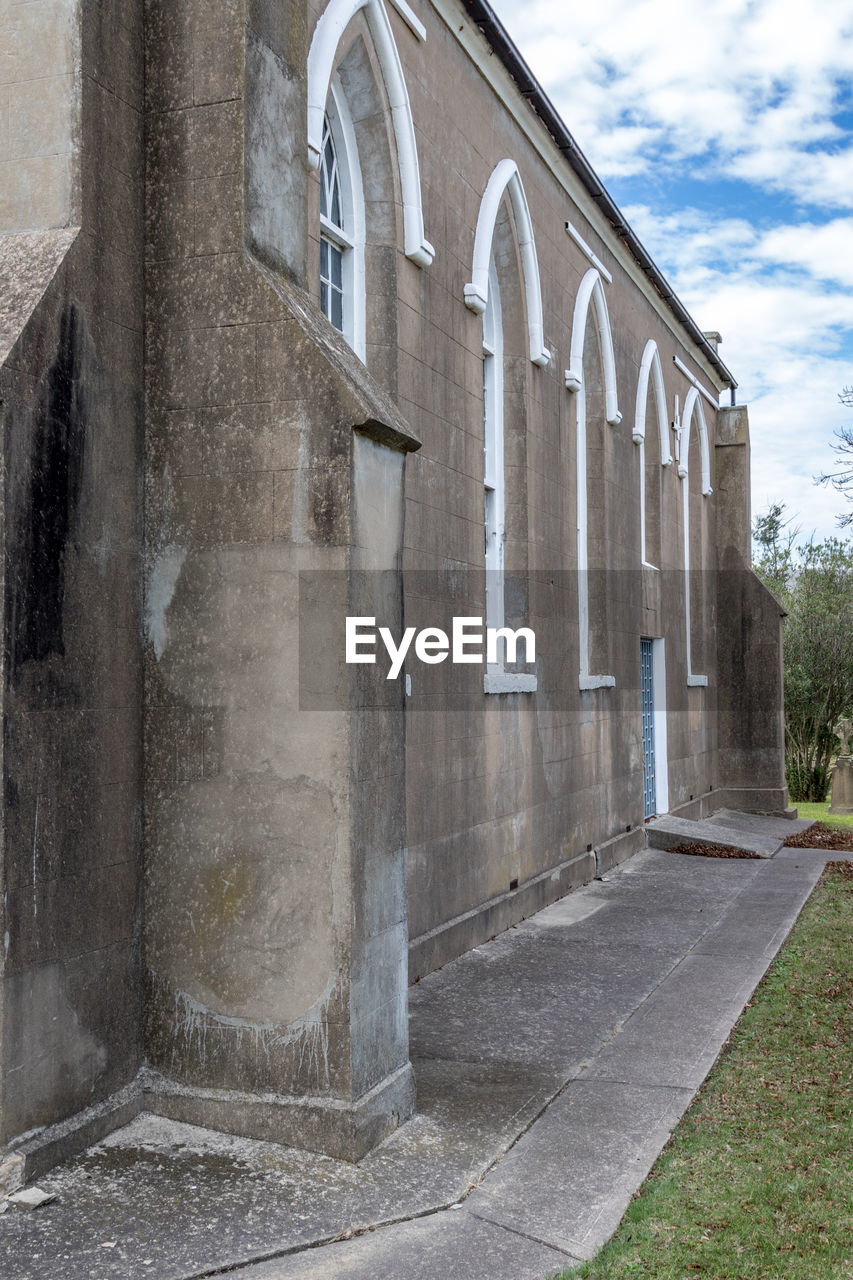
point(648, 706)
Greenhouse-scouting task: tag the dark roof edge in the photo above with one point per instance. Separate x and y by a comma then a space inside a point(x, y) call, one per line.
point(530, 89)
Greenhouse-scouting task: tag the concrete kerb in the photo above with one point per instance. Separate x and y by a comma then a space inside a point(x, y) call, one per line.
point(461, 1187)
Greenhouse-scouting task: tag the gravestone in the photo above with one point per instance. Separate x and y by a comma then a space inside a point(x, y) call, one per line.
point(841, 793)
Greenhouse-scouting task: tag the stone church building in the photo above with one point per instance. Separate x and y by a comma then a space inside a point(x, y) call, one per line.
point(315, 311)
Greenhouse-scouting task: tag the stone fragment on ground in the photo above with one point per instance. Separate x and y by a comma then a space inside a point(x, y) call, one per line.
point(31, 1198)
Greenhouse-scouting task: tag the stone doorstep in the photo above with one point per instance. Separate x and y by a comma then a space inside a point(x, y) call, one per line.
point(761, 823)
point(668, 832)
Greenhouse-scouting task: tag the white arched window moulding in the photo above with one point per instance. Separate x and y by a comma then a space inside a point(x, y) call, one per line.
point(505, 177)
point(692, 409)
point(650, 368)
point(330, 27)
point(590, 294)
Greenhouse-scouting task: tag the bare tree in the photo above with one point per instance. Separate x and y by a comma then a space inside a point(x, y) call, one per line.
point(842, 477)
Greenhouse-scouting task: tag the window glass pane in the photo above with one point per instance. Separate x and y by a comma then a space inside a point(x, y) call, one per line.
point(331, 254)
point(329, 155)
point(330, 186)
point(337, 316)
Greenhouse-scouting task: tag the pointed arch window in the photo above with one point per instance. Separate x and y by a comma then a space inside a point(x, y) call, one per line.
point(493, 453)
point(591, 377)
point(499, 677)
point(693, 457)
point(651, 435)
point(331, 24)
point(341, 224)
point(331, 219)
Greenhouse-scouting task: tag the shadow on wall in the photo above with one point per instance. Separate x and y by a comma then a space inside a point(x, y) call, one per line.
point(47, 515)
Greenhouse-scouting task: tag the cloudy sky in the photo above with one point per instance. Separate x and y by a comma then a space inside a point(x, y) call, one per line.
point(724, 130)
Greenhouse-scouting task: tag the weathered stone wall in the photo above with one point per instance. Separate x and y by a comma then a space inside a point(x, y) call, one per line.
point(275, 921)
point(510, 797)
point(40, 114)
point(71, 391)
point(751, 723)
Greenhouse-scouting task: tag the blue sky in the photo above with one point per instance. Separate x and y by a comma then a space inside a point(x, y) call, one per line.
point(725, 133)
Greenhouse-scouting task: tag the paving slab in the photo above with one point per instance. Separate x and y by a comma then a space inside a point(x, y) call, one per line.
point(551, 1065)
point(803, 856)
point(533, 1001)
point(676, 1036)
point(452, 1246)
point(579, 1170)
point(764, 914)
point(668, 832)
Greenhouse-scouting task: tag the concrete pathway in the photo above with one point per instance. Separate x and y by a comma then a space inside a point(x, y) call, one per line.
point(552, 1064)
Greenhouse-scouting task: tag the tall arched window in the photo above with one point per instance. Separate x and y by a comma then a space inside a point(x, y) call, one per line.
point(591, 376)
point(505, 371)
point(493, 452)
point(694, 469)
point(341, 224)
point(651, 434)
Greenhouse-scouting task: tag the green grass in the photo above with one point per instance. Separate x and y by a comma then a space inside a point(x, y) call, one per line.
point(820, 813)
point(757, 1179)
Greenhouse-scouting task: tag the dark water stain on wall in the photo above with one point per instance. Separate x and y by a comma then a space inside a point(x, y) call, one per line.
point(47, 513)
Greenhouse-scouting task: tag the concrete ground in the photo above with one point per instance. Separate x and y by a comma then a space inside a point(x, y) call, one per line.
point(552, 1064)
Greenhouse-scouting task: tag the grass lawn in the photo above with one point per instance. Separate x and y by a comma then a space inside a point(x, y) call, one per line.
point(757, 1179)
point(820, 813)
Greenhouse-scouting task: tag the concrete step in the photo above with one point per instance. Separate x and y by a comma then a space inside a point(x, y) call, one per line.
point(667, 832)
point(761, 824)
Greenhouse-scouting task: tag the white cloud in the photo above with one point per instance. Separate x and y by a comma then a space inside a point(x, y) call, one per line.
point(742, 87)
point(786, 336)
point(824, 251)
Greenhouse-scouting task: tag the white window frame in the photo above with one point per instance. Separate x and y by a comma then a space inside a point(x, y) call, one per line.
point(494, 488)
point(692, 408)
point(590, 295)
point(350, 236)
point(650, 368)
point(496, 678)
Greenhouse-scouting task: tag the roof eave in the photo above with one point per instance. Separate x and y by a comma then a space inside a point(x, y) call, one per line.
point(530, 89)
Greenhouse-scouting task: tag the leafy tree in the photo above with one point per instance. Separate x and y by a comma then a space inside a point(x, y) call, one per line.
point(842, 477)
point(814, 583)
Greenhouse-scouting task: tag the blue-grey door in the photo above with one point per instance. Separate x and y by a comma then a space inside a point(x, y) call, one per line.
point(648, 704)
